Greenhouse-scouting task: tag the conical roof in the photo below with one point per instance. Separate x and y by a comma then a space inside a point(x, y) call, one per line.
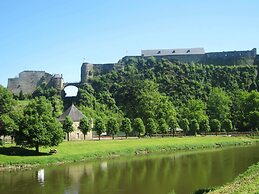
point(72, 112)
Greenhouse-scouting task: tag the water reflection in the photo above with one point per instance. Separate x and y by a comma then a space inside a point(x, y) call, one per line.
point(104, 165)
point(160, 174)
point(40, 176)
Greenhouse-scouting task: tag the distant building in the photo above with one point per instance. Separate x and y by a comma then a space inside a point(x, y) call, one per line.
point(198, 55)
point(76, 115)
point(28, 81)
point(170, 52)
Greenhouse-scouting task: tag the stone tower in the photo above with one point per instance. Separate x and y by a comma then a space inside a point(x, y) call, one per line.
point(86, 72)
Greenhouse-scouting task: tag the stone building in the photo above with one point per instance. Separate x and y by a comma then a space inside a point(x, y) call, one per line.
point(76, 115)
point(28, 81)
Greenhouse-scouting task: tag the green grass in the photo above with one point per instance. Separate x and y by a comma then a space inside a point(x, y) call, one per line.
point(248, 182)
point(89, 150)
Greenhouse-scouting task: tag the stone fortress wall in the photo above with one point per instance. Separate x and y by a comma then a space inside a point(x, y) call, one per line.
point(28, 81)
point(198, 55)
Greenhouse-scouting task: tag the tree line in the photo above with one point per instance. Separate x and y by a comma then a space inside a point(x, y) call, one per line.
point(143, 96)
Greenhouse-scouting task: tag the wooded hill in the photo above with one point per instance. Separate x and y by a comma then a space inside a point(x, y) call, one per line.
point(196, 96)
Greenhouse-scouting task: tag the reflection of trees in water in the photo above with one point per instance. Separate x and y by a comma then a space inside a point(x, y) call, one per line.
point(182, 173)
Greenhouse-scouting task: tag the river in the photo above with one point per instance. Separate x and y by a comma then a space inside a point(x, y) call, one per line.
point(183, 173)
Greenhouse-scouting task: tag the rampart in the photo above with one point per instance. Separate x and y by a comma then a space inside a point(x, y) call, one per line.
point(28, 81)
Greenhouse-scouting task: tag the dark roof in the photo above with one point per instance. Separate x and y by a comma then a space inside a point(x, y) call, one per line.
point(73, 113)
point(169, 52)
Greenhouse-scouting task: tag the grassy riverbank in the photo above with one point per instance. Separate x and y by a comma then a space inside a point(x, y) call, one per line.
point(88, 150)
point(248, 182)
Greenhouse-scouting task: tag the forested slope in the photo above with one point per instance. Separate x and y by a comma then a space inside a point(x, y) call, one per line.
point(197, 97)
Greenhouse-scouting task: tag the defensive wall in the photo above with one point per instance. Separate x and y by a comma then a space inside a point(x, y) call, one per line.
point(28, 81)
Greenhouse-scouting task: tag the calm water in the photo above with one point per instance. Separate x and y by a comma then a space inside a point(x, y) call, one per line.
point(154, 174)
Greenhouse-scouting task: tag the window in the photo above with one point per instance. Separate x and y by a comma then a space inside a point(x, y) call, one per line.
point(77, 135)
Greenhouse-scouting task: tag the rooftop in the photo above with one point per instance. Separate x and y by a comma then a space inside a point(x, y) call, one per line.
point(72, 112)
point(166, 52)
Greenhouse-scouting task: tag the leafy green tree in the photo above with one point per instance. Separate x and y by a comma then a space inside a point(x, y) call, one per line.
point(195, 109)
point(84, 125)
point(251, 110)
point(112, 127)
point(162, 126)
point(86, 96)
point(227, 125)
point(166, 109)
point(7, 126)
point(57, 105)
point(151, 127)
point(139, 126)
point(253, 118)
point(194, 126)
point(38, 127)
point(184, 124)
point(6, 101)
point(215, 125)
point(205, 125)
point(99, 127)
point(238, 109)
point(68, 126)
point(218, 105)
point(126, 126)
point(173, 125)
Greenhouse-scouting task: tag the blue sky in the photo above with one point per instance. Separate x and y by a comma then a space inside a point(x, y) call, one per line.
point(56, 35)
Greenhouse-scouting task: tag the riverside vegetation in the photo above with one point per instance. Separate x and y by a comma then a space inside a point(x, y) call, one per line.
point(71, 151)
point(144, 97)
point(248, 182)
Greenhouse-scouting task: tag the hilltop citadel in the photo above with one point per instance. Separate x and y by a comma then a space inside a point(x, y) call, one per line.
point(28, 81)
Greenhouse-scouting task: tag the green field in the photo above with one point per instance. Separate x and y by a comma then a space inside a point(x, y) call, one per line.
point(247, 182)
point(87, 150)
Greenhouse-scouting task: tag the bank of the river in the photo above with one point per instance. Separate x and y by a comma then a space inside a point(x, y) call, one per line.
point(248, 182)
point(88, 150)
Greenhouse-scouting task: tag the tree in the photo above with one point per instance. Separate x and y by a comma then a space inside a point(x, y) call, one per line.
point(84, 126)
point(68, 126)
point(205, 125)
point(184, 124)
point(126, 126)
point(194, 126)
point(139, 126)
point(85, 96)
point(112, 127)
point(151, 127)
point(218, 105)
point(252, 110)
point(173, 125)
point(57, 105)
point(99, 127)
point(227, 125)
point(253, 118)
point(215, 125)
point(38, 127)
point(6, 101)
point(162, 126)
point(7, 126)
point(195, 109)
point(238, 109)
point(166, 109)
